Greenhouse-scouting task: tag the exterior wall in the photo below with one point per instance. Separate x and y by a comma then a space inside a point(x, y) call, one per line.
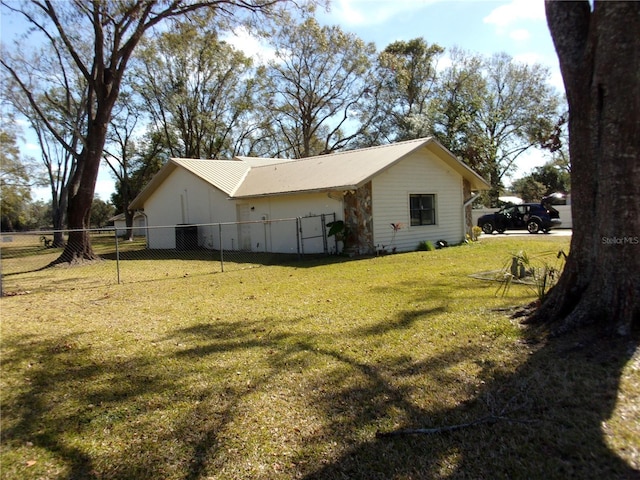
point(183, 198)
point(139, 226)
point(281, 237)
point(466, 195)
point(420, 173)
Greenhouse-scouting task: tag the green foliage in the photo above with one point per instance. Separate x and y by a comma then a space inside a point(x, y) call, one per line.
point(316, 97)
point(410, 78)
point(198, 90)
point(426, 246)
point(536, 272)
point(101, 212)
point(552, 177)
point(528, 189)
point(336, 228)
point(15, 187)
point(494, 109)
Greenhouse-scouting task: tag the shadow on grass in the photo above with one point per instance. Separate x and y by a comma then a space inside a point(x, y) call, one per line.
point(144, 423)
point(552, 408)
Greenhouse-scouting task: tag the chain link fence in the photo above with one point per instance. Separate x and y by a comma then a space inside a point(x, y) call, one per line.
point(29, 261)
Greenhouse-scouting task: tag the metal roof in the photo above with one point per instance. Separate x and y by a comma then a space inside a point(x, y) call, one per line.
point(342, 171)
point(245, 177)
point(222, 174)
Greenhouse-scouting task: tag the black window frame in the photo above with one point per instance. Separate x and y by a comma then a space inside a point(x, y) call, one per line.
point(422, 216)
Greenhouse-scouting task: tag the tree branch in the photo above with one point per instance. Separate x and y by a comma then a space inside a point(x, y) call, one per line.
point(489, 419)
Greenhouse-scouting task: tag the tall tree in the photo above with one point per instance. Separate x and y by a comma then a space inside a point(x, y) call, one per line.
point(599, 51)
point(15, 183)
point(61, 101)
point(101, 212)
point(196, 88)
point(519, 110)
point(492, 110)
point(120, 153)
point(318, 84)
point(550, 178)
point(97, 39)
point(458, 102)
point(410, 82)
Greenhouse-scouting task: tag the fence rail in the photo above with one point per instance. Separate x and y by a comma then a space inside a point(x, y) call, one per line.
point(28, 260)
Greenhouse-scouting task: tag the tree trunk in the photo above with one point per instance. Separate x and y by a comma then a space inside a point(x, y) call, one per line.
point(128, 220)
point(59, 210)
point(599, 53)
point(81, 191)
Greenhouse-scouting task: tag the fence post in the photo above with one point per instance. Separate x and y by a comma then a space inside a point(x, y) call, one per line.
point(325, 243)
point(221, 249)
point(115, 232)
point(298, 236)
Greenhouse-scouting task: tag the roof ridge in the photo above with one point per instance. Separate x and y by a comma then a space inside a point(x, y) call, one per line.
point(346, 152)
point(205, 159)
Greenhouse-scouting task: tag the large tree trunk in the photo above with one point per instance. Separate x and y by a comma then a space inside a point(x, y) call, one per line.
point(83, 184)
point(599, 53)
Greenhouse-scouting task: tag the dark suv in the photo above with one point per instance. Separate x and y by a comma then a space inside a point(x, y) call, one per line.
point(533, 217)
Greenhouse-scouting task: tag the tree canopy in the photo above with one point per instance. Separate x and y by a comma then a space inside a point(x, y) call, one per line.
point(195, 95)
point(95, 41)
point(15, 183)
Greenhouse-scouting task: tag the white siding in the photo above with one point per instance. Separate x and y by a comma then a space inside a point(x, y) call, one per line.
point(282, 237)
point(139, 226)
point(419, 173)
point(184, 198)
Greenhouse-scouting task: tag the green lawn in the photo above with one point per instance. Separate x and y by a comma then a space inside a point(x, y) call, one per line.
point(285, 372)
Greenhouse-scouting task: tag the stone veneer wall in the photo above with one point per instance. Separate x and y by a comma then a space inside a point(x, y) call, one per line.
point(359, 221)
point(466, 195)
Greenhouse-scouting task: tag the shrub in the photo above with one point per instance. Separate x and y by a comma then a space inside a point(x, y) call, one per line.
point(426, 246)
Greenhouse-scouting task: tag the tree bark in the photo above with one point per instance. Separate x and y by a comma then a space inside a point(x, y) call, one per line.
point(83, 183)
point(599, 53)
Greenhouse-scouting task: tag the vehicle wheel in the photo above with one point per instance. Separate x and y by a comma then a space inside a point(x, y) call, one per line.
point(487, 228)
point(533, 226)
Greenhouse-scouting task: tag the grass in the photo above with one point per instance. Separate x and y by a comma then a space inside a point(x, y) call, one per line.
point(290, 371)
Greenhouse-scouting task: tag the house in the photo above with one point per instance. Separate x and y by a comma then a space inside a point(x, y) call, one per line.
point(416, 185)
point(139, 224)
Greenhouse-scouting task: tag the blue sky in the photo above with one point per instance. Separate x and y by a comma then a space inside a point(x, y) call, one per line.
point(517, 27)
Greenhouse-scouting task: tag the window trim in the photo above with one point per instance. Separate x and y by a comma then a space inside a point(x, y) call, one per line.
point(433, 210)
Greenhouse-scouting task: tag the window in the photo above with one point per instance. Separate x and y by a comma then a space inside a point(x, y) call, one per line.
point(422, 209)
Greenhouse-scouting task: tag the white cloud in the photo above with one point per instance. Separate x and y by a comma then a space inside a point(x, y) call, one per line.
point(529, 58)
point(520, 35)
point(372, 12)
point(444, 62)
point(516, 10)
point(250, 45)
